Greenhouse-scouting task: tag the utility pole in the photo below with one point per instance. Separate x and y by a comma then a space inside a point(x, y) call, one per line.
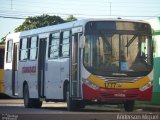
point(11, 4)
point(110, 8)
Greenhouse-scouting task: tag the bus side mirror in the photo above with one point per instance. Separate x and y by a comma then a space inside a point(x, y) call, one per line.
point(82, 41)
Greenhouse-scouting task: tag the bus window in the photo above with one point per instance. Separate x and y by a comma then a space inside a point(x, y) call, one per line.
point(23, 49)
point(65, 44)
point(9, 51)
point(33, 47)
point(1, 58)
point(54, 45)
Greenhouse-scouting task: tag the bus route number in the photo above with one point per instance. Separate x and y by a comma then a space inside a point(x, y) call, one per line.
point(110, 85)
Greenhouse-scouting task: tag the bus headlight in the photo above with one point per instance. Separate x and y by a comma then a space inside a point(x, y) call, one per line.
point(146, 86)
point(90, 84)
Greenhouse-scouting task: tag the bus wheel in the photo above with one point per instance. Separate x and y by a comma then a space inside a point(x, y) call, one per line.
point(71, 104)
point(80, 104)
point(27, 100)
point(129, 106)
point(36, 103)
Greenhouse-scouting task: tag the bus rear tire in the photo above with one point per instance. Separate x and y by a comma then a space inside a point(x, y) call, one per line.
point(129, 105)
point(27, 100)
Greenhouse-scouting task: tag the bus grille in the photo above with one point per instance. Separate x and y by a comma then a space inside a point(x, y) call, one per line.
point(119, 79)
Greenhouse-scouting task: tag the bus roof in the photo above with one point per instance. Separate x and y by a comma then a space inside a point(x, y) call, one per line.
point(57, 27)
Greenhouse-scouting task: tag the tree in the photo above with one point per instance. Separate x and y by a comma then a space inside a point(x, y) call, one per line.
point(39, 21)
point(70, 18)
point(2, 40)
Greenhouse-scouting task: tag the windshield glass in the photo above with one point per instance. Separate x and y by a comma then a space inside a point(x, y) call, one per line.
point(118, 53)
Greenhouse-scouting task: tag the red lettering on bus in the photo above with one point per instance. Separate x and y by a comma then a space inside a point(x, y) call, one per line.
point(29, 69)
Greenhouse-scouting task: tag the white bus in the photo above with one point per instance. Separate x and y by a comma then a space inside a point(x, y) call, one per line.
point(86, 61)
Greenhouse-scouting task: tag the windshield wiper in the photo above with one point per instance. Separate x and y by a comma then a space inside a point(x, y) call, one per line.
point(131, 40)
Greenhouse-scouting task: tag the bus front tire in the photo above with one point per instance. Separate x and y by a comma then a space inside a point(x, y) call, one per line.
point(71, 104)
point(129, 105)
point(27, 100)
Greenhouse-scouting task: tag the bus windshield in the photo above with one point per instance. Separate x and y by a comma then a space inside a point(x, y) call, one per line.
point(115, 53)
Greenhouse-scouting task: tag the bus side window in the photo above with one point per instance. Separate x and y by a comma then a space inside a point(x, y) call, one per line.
point(64, 48)
point(33, 48)
point(1, 58)
point(54, 45)
point(23, 49)
point(9, 51)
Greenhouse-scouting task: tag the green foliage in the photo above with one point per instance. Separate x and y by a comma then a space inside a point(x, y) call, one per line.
point(70, 18)
point(3, 40)
point(39, 21)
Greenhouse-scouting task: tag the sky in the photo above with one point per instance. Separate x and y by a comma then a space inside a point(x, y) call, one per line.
point(14, 12)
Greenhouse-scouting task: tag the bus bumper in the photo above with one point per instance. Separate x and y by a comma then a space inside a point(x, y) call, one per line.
point(102, 94)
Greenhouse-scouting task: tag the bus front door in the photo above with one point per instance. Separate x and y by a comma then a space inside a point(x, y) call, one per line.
point(75, 85)
point(41, 67)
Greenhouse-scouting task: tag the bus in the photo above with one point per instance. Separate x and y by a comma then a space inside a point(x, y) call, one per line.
point(2, 47)
point(89, 61)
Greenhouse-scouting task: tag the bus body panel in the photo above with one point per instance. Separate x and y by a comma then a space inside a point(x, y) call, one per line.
point(134, 83)
point(8, 79)
point(64, 73)
point(28, 73)
point(100, 90)
point(53, 79)
point(114, 94)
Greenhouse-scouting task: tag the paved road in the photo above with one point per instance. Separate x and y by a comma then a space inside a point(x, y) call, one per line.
point(14, 110)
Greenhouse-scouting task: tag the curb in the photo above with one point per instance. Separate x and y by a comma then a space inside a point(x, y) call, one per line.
point(154, 108)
